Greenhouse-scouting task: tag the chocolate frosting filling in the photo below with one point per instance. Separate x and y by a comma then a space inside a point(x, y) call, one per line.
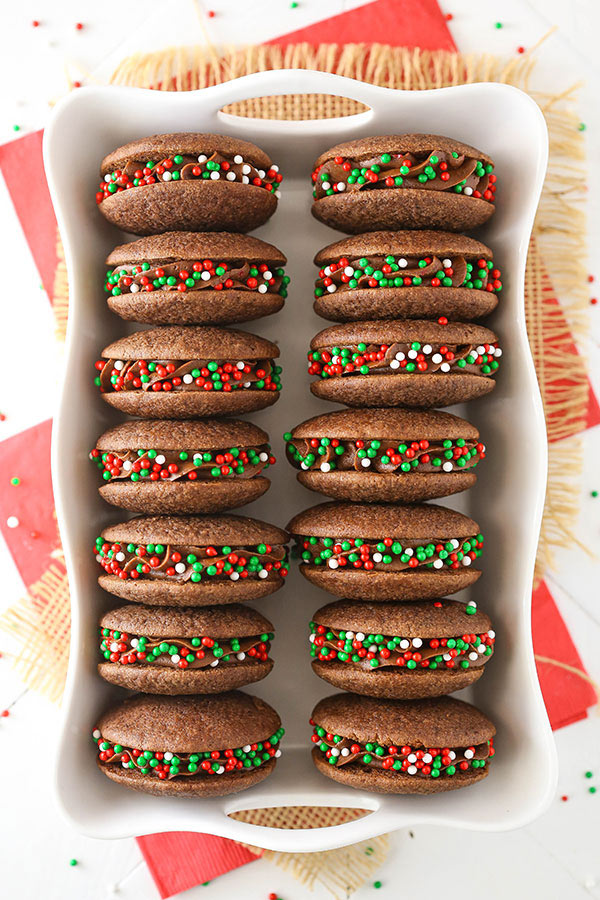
point(437, 170)
point(183, 652)
point(402, 357)
point(186, 375)
point(191, 275)
point(180, 465)
point(389, 555)
point(189, 563)
point(369, 652)
point(384, 456)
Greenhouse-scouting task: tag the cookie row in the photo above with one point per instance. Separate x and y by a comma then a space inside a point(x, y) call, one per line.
point(394, 355)
point(184, 641)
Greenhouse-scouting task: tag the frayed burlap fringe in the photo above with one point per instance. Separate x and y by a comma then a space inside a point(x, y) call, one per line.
point(60, 293)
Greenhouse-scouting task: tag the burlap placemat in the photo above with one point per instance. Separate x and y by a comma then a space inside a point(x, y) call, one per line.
point(554, 270)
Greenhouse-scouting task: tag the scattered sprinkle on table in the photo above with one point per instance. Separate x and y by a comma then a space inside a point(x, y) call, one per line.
point(520, 49)
point(592, 790)
point(369, 851)
point(593, 300)
point(78, 26)
point(12, 522)
point(294, 5)
point(590, 278)
point(15, 481)
point(5, 714)
point(594, 493)
point(16, 127)
point(72, 862)
point(211, 14)
point(564, 798)
point(376, 884)
point(589, 774)
point(498, 25)
point(449, 17)
point(581, 126)
point(36, 23)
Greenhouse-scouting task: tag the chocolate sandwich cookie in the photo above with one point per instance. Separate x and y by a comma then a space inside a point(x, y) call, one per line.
point(406, 275)
point(423, 648)
point(188, 182)
point(386, 455)
point(189, 746)
point(169, 466)
point(401, 746)
point(195, 650)
point(192, 560)
point(184, 278)
point(407, 362)
point(187, 371)
point(403, 181)
point(387, 552)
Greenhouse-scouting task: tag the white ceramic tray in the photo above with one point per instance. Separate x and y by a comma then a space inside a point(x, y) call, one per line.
point(507, 501)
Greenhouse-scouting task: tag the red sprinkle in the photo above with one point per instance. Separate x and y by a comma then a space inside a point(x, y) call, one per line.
point(211, 14)
point(520, 49)
point(4, 713)
point(449, 17)
point(593, 301)
point(564, 798)
point(79, 26)
point(36, 23)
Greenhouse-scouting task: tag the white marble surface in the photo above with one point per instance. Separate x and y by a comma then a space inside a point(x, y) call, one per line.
point(556, 857)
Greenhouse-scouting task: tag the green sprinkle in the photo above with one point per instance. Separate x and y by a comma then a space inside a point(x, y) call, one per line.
point(73, 862)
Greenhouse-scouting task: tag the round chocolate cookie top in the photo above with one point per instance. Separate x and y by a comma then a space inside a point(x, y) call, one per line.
point(364, 148)
point(159, 146)
point(189, 724)
point(375, 520)
point(186, 245)
point(172, 434)
point(406, 243)
point(231, 621)
point(405, 331)
point(191, 342)
point(197, 531)
point(411, 619)
point(395, 424)
point(433, 722)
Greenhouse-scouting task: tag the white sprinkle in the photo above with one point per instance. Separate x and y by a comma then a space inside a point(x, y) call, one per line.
point(437, 358)
point(473, 655)
point(360, 636)
point(412, 770)
point(264, 573)
point(304, 465)
point(261, 173)
point(127, 465)
point(175, 658)
point(180, 568)
point(452, 754)
point(267, 275)
point(412, 757)
point(118, 365)
point(466, 560)
point(233, 576)
point(239, 365)
point(166, 176)
point(427, 758)
point(231, 176)
point(205, 276)
point(214, 663)
point(168, 756)
point(108, 179)
point(247, 384)
point(326, 185)
point(214, 175)
point(311, 638)
point(345, 751)
point(202, 158)
point(332, 563)
point(348, 271)
point(447, 263)
point(394, 364)
point(455, 543)
point(134, 288)
point(325, 467)
point(187, 378)
point(377, 557)
point(246, 169)
point(472, 604)
point(134, 642)
point(365, 462)
point(447, 467)
point(468, 191)
point(438, 563)
point(350, 635)
point(247, 748)
point(335, 751)
point(241, 656)
point(498, 352)
point(409, 551)
point(404, 644)
point(278, 195)
point(446, 657)
point(159, 459)
point(492, 634)
point(96, 733)
point(277, 754)
point(402, 262)
point(263, 456)
point(238, 159)
point(114, 647)
point(469, 754)
point(262, 289)
point(221, 769)
point(417, 642)
point(120, 556)
point(445, 367)
point(412, 354)
point(426, 348)
point(332, 288)
point(481, 648)
point(245, 179)
point(480, 350)
point(400, 356)
point(340, 186)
